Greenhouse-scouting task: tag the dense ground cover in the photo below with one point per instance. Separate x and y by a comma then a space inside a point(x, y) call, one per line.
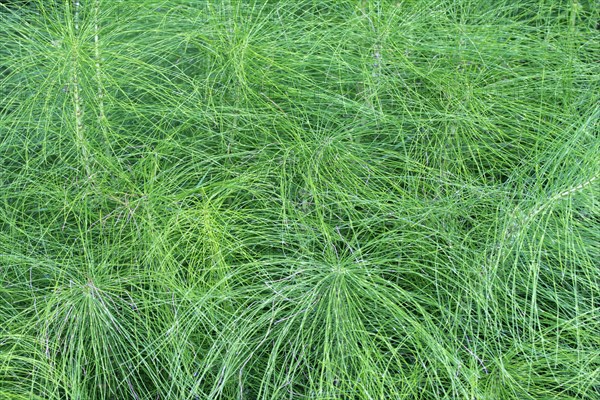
point(299, 199)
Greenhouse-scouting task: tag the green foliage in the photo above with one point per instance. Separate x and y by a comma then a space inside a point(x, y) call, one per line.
point(299, 199)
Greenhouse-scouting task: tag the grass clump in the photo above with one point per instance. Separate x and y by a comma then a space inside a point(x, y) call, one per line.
point(299, 200)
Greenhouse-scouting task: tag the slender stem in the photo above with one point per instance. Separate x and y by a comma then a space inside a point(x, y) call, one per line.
point(101, 115)
point(98, 64)
point(77, 99)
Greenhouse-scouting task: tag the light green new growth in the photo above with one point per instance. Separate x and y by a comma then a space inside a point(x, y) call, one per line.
point(299, 199)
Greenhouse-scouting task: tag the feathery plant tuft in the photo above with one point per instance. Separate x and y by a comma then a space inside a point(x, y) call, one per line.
point(299, 200)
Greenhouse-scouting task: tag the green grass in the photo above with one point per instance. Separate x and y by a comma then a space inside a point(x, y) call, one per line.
point(300, 200)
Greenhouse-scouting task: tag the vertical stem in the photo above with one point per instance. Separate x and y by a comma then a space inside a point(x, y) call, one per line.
point(97, 58)
point(77, 99)
point(571, 46)
point(575, 7)
point(367, 87)
point(98, 61)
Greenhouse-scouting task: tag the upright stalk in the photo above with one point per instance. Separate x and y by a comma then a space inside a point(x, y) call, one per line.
point(98, 64)
point(77, 99)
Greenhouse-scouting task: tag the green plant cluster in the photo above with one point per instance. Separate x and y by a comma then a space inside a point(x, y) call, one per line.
point(303, 199)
